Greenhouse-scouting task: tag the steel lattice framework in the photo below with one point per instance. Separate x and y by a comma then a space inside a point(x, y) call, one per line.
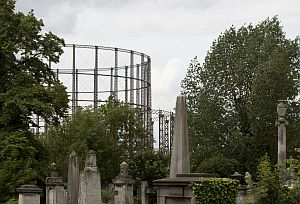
point(92, 73)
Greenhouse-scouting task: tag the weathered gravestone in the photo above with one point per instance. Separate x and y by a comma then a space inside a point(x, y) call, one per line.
point(73, 179)
point(29, 194)
point(90, 185)
point(55, 193)
point(123, 185)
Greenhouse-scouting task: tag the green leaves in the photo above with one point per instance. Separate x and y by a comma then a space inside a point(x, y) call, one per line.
point(232, 96)
point(114, 131)
point(215, 190)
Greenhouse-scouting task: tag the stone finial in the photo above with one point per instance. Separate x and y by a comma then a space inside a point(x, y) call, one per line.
point(90, 161)
point(53, 169)
point(123, 170)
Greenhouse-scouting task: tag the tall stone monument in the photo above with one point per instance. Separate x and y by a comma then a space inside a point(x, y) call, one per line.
point(281, 123)
point(180, 160)
point(90, 185)
point(123, 184)
point(73, 179)
point(177, 189)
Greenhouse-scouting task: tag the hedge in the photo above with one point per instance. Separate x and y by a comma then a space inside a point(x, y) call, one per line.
point(215, 190)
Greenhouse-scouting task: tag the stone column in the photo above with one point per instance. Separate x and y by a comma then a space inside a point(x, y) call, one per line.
point(29, 194)
point(55, 193)
point(281, 123)
point(123, 184)
point(144, 192)
point(180, 160)
point(73, 179)
point(90, 185)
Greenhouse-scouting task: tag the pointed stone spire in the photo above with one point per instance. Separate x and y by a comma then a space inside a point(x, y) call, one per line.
point(73, 179)
point(180, 160)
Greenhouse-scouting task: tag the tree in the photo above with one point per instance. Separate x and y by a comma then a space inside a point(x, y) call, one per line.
point(232, 97)
point(114, 131)
point(28, 88)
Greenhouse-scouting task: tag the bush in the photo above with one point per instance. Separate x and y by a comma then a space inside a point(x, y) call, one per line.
point(220, 165)
point(215, 190)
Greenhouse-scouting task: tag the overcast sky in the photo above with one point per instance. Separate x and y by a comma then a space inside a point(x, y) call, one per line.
point(172, 32)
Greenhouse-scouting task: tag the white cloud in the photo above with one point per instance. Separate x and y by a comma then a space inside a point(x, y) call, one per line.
point(172, 32)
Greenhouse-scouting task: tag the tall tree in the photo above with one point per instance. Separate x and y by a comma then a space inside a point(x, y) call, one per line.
point(114, 131)
point(232, 96)
point(28, 88)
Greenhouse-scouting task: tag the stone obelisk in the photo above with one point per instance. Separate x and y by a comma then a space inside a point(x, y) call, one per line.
point(180, 160)
point(73, 179)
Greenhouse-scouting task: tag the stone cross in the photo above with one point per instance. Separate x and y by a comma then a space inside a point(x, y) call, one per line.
point(180, 160)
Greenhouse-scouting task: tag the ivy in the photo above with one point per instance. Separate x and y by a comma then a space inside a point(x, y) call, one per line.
point(215, 190)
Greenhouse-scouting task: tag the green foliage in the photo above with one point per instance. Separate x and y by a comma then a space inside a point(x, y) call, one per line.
point(106, 195)
point(220, 165)
point(148, 165)
point(268, 187)
point(215, 190)
point(28, 88)
point(232, 96)
point(114, 131)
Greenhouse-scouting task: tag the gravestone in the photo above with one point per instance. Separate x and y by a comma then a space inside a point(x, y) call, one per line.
point(123, 185)
point(55, 193)
point(29, 194)
point(73, 179)
point(90, 185)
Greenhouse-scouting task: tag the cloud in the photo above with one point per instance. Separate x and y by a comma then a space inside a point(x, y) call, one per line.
point(172, 32)
point(166, 84)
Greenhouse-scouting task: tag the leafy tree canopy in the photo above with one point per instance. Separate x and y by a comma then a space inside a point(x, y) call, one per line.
point(232, 96)
point(28, 88)
point(114, 131)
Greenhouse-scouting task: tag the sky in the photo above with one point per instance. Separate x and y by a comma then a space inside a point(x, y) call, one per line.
point(171, 32)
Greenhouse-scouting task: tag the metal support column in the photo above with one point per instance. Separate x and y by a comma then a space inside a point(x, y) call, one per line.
point(171, 129)
point(73, 82)
point(161, 130)
point(137, 86)
point(126, 84)
point(131, 77)
point(111, 81)
point(96, 79)
point(116, 73)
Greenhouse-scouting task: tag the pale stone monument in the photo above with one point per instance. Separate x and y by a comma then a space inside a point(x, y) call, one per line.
point(176, 189)
point(29, 194)
point(90, 184)
point(180, 161)
point(281, 123)
point(55, 193)
point(73, 179)
point(123, 185)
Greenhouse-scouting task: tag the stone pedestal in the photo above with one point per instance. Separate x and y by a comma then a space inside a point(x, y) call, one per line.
point(29, 194)
point(123, 185)
point(90, 184)
point(55, 193)
point(177, 190)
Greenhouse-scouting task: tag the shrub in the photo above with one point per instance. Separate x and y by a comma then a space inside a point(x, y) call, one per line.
point(215, 190)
